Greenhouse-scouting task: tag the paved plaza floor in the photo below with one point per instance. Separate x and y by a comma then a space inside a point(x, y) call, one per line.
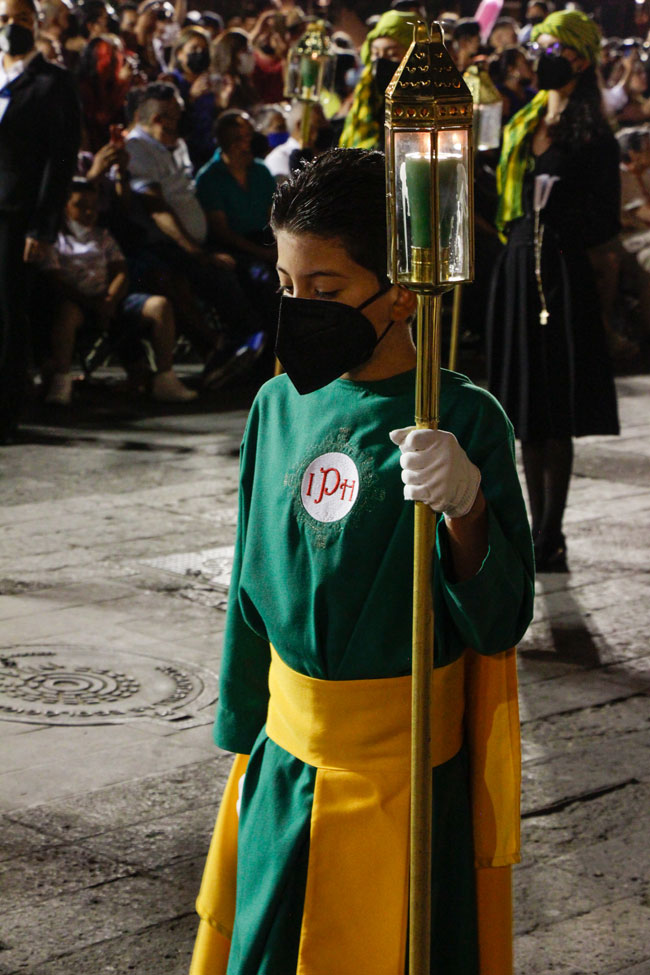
point(116, 540)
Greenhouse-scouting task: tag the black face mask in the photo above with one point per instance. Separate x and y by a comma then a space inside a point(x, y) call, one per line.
point(533, 21)
point(198, 61)
point(553, 71)
point(320, 340)
point(383, 70)
point(16, 40)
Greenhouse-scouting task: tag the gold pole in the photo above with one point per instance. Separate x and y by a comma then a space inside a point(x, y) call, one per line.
point(455, 325)
point(427, 399)
point(305, 125)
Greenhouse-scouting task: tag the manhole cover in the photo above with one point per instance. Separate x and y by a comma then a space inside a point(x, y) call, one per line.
point(84, 685)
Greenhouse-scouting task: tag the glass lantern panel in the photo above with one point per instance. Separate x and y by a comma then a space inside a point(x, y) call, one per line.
point(414, 206)
point(453, 205)
point(487, 121)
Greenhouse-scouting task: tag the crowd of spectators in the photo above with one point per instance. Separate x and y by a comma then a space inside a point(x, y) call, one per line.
point(185, 130)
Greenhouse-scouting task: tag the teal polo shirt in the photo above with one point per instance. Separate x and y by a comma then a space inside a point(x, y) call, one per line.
point(247, 210)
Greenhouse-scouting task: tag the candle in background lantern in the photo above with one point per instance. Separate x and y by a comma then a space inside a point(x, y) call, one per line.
point(309, 72)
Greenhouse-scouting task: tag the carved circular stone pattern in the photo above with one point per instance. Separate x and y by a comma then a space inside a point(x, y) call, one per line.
point(83, 685)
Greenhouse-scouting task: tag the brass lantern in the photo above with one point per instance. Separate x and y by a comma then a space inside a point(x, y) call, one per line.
point(488, 107)
point(310, 66)
point(429, 163)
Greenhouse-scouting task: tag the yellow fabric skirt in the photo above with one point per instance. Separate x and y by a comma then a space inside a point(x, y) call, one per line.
point(357, 735)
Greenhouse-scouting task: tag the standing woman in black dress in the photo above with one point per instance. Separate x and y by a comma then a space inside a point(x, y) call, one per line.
point(559, 188)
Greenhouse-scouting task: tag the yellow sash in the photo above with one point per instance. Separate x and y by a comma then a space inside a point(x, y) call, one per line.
point(357, 735)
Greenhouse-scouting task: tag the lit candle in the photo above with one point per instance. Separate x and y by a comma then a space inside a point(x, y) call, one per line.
point(418, 190)
point(308, 72)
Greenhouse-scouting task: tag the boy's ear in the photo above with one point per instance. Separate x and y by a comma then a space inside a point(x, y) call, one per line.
point(404, 304)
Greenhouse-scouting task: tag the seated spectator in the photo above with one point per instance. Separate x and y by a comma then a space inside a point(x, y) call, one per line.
point(104, 80)
point(234, 60)
point(93, 18)
point(279, 159)
point(199, 90)
point(503, 34)
point(636, 109)
point(536, 12)
point(270, 129)
point(176, 226)
point(155, 172)
point(88, 271)
point(128, 21)
point(236, 191)
point(634, 144)
point(513, 76)
point(150, 63)
point(466, 40)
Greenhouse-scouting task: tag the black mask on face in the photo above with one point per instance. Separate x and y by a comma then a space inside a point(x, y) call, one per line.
point(320, 340)
point(534, 20)
point(553, 71)
point(383, 70)
point(16, 40)
point(198, 61)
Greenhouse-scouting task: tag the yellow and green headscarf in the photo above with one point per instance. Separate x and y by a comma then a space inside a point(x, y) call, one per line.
point(573, 29)
point(362, 130)
point(577, 31)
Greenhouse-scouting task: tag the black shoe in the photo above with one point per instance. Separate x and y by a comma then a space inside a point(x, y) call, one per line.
point(550, 554)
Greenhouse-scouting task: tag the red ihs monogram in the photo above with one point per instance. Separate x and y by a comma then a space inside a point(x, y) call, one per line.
point(343, 486)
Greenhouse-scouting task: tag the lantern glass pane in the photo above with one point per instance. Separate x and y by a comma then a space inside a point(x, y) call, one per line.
point(453, 205)
point(487, 125)
point(414, 205)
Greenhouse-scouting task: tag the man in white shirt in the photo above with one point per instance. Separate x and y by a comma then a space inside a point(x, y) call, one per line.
point(159, 176)
point(156, 172)
point(279, 159)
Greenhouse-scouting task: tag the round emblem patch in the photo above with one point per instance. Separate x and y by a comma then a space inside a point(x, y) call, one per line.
point(330, 487)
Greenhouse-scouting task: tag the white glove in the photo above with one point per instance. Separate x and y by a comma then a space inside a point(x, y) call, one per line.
point(436, 469)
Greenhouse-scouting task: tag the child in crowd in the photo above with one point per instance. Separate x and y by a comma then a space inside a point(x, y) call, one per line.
point(88, 271)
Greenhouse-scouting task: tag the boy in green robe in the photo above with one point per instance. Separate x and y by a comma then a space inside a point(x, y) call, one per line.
point(308, 868)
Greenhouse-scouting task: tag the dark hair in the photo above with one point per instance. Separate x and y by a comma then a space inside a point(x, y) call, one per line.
point(341, 195)
point(500, 65)
point(226, 126)
point(90, 12)
point(583, 120)
point(157, 91)
point(632, 140)
point(79, 184)
point(466, 27)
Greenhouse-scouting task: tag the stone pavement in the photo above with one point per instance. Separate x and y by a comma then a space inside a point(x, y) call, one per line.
point(114, 554)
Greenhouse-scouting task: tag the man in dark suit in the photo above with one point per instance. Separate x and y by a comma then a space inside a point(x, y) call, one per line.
point(39, 140)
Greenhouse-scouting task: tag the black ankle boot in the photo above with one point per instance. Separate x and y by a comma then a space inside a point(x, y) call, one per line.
point(550, 553)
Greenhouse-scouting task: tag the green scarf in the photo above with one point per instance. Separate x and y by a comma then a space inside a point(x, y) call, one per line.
point(362, 129)
point(516, 159)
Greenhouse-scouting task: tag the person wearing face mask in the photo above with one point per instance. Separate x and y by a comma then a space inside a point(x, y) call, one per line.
point(39, 140)
point(315, 674)
point(381, 52)
point(536, 11)
point(199, 89)
point(513, 77)
point(559, 186)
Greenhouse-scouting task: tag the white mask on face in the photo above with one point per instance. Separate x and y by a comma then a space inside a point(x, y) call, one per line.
point(80, 231)
point(246, 62)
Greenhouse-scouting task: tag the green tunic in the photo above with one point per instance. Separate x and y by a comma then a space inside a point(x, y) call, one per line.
point(323, 571)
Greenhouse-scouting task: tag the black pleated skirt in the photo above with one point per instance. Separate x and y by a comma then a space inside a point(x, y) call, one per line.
point(553, 380)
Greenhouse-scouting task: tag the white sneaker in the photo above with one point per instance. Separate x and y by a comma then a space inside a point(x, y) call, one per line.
point(60, 391)
point(167, 388)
